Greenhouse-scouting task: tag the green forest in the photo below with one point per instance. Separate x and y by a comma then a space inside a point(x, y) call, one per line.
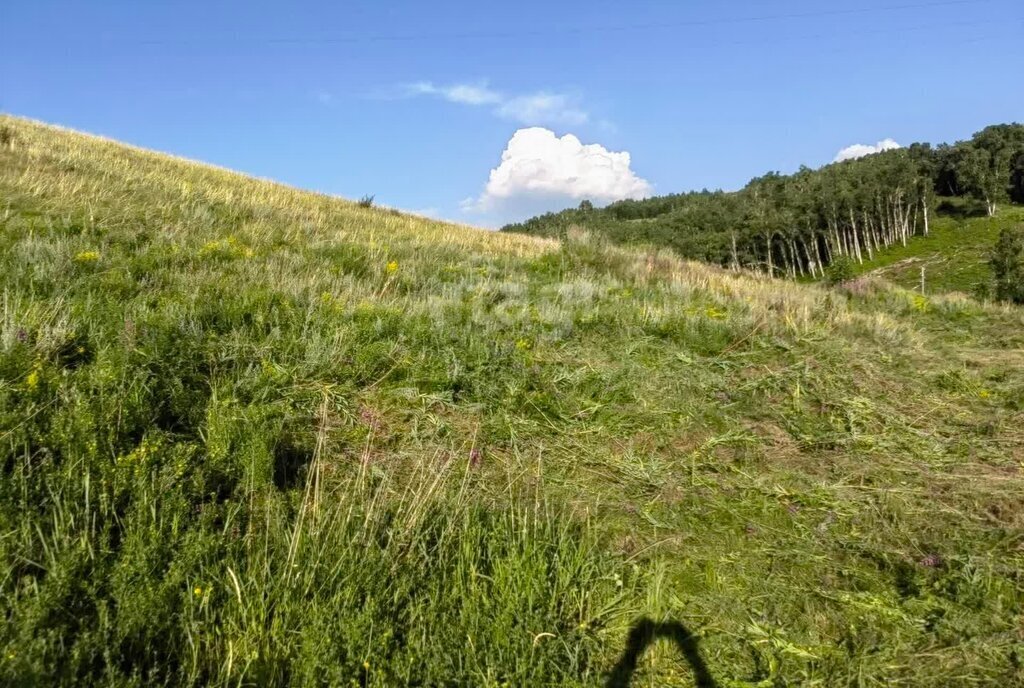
point(797, 225)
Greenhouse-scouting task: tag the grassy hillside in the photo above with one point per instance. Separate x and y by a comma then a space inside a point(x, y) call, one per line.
point(954, 256)
point(256, 436)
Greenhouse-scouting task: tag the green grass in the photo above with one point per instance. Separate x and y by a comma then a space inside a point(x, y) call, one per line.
point(256, 436)
point(954, 256)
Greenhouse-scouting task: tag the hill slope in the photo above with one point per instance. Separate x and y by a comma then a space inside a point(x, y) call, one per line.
point(252, 435)
point(955, 256)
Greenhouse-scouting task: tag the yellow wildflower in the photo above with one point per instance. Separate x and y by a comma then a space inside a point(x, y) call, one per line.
point(392, 267)
point(32, 381)
point(198, 591)
point(87, 256)
point(228, 248)
point(523, 344)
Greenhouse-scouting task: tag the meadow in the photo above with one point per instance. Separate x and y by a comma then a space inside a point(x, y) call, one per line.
point(252, 435)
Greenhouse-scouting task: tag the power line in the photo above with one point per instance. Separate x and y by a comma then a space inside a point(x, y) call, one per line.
point(559, 31)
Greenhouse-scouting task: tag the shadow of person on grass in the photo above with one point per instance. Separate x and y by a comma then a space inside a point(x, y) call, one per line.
point(645, 632)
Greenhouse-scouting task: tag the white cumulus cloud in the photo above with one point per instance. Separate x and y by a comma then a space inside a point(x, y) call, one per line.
point(541, 107)
point(859, 150)
point(541, 171)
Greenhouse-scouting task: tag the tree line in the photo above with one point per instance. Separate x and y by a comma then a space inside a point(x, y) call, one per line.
point(798, 224)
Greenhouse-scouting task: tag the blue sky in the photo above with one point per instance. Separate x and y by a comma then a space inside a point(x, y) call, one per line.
point(416, 102)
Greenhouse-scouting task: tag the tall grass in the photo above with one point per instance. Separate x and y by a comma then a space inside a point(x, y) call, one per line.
point(350, 585)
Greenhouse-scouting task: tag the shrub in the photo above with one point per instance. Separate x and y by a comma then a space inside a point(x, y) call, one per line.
point(982, 291)
point(839, 270)
point(1008, 265)
point(366, 201)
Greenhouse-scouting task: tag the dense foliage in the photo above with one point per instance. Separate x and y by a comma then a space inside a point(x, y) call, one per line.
point(798, 224)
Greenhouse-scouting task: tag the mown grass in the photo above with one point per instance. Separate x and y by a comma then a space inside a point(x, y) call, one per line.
point(955, 256)
point(256, 436)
